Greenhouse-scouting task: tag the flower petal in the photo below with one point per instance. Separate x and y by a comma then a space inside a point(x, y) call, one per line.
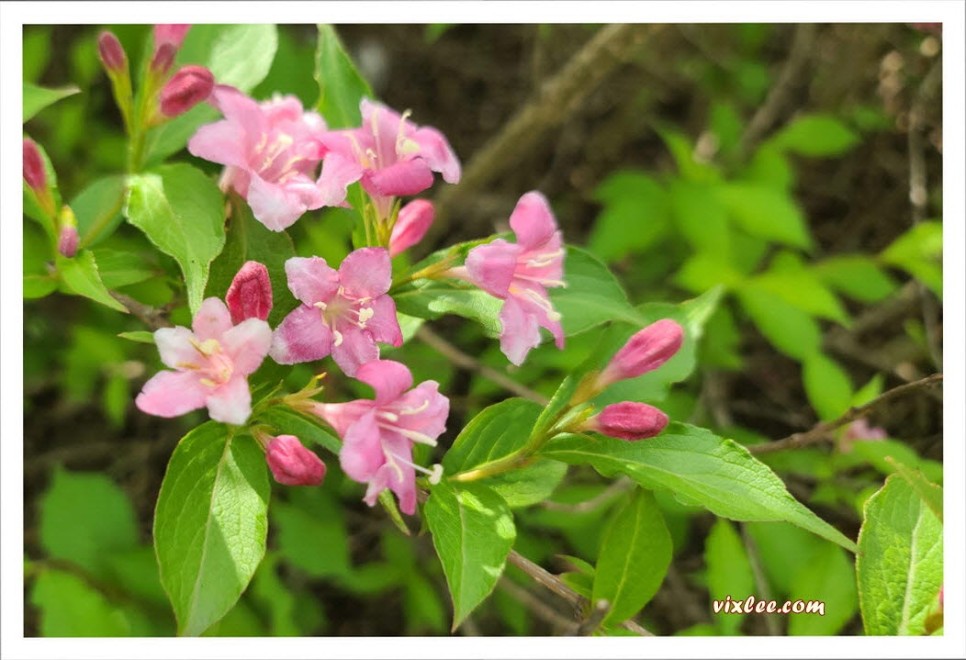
point(341, 416)
point(387, 377)
point(435, 150)
point(221, 142)
point(422, 409)
point(171, 393)
point(520, 331)
point(398, 475)
point(384, 324)
point(278, 206)
point(406, 177)
point(175, 347)
point(366, 273)
point(311, 279)
point(242, 110)
point(212, 320)
point(301, 337)
point(356, 349)
point(361, 454)
point(532, 220)
point(231, 403)
point(491, 266)
point(247, 345)
point(338, 173)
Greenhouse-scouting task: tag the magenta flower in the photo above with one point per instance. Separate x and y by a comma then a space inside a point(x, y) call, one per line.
point(271, 151)
point(211, 364)
point(412, 224)
point(628, 420)
point(645, 351)
point(292, 464)
point(170, 33)
point(250, 293)
point(343, 313)
point(111, 52)
point(378, 436)
point(519, 273)
point(188, 87)
point(391, 155)
point(34, 172)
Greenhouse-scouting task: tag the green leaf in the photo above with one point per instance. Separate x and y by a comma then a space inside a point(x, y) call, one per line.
point(884, 454)
point(340, 85)
point(140, 336)
point(430, 299)
point(592, 295)
point(787, 328)
point(729, 572)
point(473, 533)
point(700, 469)
point(815, 135)
point(273, 596)
point(635, 215)
point(683, 152)
point(856, 276)
point(70, 607)
point(769, 166)
point(306, 427)
point(704, 271)
point(766, 213)
point(98, 208)
point(827, 385)
point(828, 577)
point(182, 212)
point(701, 218)
point(900, 561)
point(211, 523)
point(635, 553)
point(930, 493)
point(789, 279)
point(528, 485)
point(122, 268)
point(919, 252)
point(311, 535)
point(36, 98)
point(495, 433)
point(81, 277)
point(249, 240)
point(84, 519)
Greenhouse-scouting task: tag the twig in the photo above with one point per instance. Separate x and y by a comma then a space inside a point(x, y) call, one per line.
point(594, 619)
point(821, 432)
point(761, 582)
point(617, 487)
point(535, 605)
point(152, 317)
point(768, 112)
point(461, 359)
point(555, 100)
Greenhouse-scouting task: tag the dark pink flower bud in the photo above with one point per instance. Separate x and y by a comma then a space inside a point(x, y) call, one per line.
point(34, 172)
point(292, 464)
point(163, 59)
point(647, 350)
point(68, 238)
point(250, 293)
point(187, 88)
point(628, 421)
point(111, 52)
point(171, 34)
point(411, 225)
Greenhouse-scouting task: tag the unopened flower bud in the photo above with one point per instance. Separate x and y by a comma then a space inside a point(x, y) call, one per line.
point(628, 420)
point(292, 464)
point(170, 34)
point(111, 52)
point(647, 350)
point(250, 293)
point(187, 88)
point(34, 172)
point(68, 238)
point(163, 59)
point(412, 224)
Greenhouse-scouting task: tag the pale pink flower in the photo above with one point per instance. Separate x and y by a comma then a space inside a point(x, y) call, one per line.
point(292, 464)
point(271, 151)
point(519, 273)
point(188, 87)
point(860, 429)
point(378, 436)
point(343, 312)
point(68, 240)
point(172, 33)
point(392, 155)
point(628, 420)
point(645, 351)
point(211, 364)
point(412, 224)
point(250, 293)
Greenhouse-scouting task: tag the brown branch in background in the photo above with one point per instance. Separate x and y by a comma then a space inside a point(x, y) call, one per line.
point(554, 101)
point(919, 195)
point(152, 317)
point(792, 72)
point(619, 486)
point(761, 582)
point(821, 432)
point(557, 620)
point(464, 361)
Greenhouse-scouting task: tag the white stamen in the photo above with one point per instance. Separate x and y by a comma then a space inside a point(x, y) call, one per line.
point(321, 305)
point(540, 280)
point(415, 411)
point(415, 436)
point(365, 314)
point(337, 338)
point(544, 259)
point(435, 475)
point(392, 417)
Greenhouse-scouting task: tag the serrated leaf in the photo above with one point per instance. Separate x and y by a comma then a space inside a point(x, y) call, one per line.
point(827, 385)
point(182, 212)
point(729, 572)
point(528, 485)
point(919, 252)
point(701, 218)
point(634, 556)
point(635, 215)
point(766, 213)
point(341, 87)
point(36, 98)
point(900, 562)
point(211, 523)
point(473, 533)
point(120, 268)
point(699, 468)
point(815, 135)
point(431, 299)
point(81, 277)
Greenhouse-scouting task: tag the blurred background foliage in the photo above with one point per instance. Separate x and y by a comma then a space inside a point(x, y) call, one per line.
point(769, 163)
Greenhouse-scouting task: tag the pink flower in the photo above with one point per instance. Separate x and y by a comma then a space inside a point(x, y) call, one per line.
point(34, 172)
point(67, 240)
point(172, 34)
point(250, 293)
point(628, 420)
point(211, 365)
point(111, 52)
point(343, 312)
point(520, 273)
point(188, 87)
point(412, 224)
point(645, 351)
point(271, 151)
point(292, 464)
point(391, 155)
point(378, 436)
point(860, 429)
